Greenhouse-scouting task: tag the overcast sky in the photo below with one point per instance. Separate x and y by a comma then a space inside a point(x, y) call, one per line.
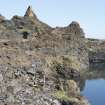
point(89, 13)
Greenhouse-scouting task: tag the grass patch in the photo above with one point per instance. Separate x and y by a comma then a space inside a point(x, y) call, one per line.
point(61, 95)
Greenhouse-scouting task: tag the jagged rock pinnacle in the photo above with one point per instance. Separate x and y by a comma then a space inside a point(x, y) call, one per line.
point(30, 13)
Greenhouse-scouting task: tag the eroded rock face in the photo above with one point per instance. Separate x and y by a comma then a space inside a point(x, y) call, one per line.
point(76, 29)
point(37, 61)
point(96, 50)
point(64, 41)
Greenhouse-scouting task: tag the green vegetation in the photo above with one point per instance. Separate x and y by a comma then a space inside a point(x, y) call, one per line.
point(61, 95)
point(24, 30)
point(71, 61)
point(64, 61)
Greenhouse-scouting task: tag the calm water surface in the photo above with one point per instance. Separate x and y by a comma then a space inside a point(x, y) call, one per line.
point(94, 91)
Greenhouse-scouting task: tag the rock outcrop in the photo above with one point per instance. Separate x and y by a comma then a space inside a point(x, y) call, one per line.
point(30, 13)
point(39, 63)
point(96, 52)
point(2, 18)
point(76, 29)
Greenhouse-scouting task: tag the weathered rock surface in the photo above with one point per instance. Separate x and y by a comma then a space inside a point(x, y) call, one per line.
point(96, 49)
point(38, 63)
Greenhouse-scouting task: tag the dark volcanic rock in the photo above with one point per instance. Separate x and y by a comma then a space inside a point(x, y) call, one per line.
point(66, 72)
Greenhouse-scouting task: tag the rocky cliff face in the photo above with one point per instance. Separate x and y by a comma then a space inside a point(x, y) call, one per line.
point(38, 63)
point(96, 52)
point(67, 41)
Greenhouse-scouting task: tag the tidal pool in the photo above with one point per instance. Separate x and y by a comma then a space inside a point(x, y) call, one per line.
point(94, 91)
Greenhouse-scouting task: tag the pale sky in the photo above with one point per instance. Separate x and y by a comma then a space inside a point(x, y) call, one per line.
point(89, 13)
